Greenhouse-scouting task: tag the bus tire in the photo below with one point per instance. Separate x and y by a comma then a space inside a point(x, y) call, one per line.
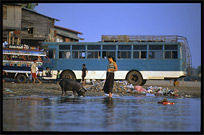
point(143, 82)
point(68, 75)
point(134, 78)
point(21, 78)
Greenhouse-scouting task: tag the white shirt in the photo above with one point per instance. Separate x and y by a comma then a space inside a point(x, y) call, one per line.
point(36, 70)
point(33, 67)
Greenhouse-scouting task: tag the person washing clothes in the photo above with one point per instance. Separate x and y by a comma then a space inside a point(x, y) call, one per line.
point(112, 67)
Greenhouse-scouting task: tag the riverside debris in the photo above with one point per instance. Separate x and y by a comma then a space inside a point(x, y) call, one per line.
point(125, 87)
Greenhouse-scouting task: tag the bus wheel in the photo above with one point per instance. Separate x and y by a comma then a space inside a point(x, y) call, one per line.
point(68, 75)
point(21, 78)
point(143, 82)
point(134, 78)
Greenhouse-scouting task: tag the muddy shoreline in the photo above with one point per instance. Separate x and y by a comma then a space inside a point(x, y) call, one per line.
point(12, 89)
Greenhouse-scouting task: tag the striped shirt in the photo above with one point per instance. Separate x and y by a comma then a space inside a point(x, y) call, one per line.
point(111, 66)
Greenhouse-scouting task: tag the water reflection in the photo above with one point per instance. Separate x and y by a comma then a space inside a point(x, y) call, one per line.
point(109, 103)
point(100, 114)
point(109, 111)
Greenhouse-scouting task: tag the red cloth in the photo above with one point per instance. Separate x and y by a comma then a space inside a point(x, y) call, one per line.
point(139, 89)
point(34, 75)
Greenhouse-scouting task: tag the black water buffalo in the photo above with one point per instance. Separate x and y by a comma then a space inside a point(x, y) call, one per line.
point(71, 85)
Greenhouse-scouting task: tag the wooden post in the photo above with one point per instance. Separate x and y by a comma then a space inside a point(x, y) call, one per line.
point(9, 38)
point(13, 40)
point(18, 41)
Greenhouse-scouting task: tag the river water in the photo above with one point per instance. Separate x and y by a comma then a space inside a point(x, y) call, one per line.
point(125, 113)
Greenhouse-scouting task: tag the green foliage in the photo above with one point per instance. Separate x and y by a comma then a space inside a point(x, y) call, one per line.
point(199, 70)
point(30, 5)
point(195, 74)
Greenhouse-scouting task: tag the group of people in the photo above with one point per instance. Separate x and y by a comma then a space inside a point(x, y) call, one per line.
point(108, 86)
point(34, 72)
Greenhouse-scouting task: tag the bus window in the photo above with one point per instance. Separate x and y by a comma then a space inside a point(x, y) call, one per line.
point(155, 47)
point(156, 52)
point(109, 47)
point(124, 47)
point(106, 53)
point(78, 47)
point(171, 52)
point(78, 54)
point(171, 47)
point(78, 51)
point(51, 54)
point(168, 54)
point(140, 54)
point(136, 54)
point(171, 55)
point(124, 51)
point(64, 54)
point(143, 54)
point(82, 54)
point(124, 54)
point(174, 54)
point(93, 51)
point(93, 54)
point(140, 47)
point(75, 54)
point(108, 50)
point(94, 47)
point(139, 51)
point(64, 47)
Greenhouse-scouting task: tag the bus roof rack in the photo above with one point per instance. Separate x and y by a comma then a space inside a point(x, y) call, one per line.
point(140, 38)
point(154, 38)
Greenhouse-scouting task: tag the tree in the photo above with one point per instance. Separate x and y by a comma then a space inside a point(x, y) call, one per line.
point(30, 5)
point(198, 70)
point(196, 74)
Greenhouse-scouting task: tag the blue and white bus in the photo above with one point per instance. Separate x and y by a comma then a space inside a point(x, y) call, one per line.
point(148, 57)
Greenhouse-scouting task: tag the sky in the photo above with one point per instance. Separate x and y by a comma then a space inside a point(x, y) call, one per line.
point(97, 19)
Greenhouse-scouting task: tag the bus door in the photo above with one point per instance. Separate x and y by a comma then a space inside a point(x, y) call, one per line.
point(51, 54)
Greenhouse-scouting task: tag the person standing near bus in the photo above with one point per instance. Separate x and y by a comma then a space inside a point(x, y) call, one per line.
point(33, 72)
point(112, 67)
point(84, 72)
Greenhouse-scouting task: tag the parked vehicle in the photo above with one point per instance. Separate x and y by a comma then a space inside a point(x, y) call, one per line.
point(145, 58)
point(17, 61)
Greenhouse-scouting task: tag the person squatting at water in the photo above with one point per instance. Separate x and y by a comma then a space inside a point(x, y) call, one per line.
point(112, 67)
point(84, 72)
point(33, 71)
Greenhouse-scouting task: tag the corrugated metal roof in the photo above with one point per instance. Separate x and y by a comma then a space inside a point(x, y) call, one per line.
point(39, 14)
point(66, 29)
point(14, 4)
point(66, 35)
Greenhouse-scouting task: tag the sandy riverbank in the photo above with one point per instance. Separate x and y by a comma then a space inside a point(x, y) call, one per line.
point(10, 89)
